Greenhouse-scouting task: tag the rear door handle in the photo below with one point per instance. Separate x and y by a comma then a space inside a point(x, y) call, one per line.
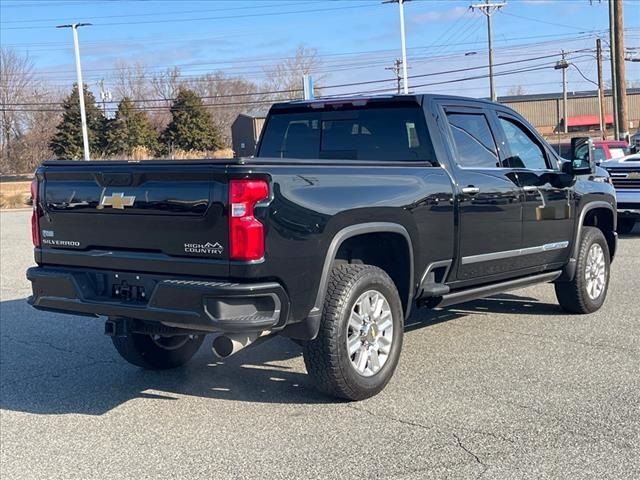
point(470, 190)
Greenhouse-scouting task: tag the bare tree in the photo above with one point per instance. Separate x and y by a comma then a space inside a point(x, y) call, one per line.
point(131, 80)
point(287, 75)
point(227, 97)
point(32, 147)
point(165, 84)
point(164, 87)
point(17, 82)
point(516, 90)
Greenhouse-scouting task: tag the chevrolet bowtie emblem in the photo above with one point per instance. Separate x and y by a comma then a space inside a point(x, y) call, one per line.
point(117, 200)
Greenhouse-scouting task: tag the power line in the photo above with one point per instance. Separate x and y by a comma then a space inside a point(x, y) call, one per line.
point(367, 82)
point(271, 101)
point(180, 12)
point(531, 19)
point(201, 19)
point(102, 71)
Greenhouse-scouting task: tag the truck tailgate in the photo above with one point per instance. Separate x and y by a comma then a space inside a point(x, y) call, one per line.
point(148, 212)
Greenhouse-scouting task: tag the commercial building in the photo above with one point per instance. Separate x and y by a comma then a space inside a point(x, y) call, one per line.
point(544, 110)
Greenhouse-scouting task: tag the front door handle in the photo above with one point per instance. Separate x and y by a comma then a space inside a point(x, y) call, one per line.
point(470, 190)
point(530, 188)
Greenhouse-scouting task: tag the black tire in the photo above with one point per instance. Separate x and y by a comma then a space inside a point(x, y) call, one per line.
point(625, 225)
point(573, 296)
point(159, 354)
point(327, 358)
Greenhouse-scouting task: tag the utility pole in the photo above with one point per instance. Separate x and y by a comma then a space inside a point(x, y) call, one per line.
point(614, 82)
point(403, 41)
point(105, 96)
point(489, 9)
point(396, 69)
point(621, 81)
point(83, 116)
point(603, 118)
point(563, 65)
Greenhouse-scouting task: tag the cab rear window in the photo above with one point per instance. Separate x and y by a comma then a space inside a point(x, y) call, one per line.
point(377, 134)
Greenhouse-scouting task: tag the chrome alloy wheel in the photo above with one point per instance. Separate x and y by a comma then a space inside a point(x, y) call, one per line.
point(595, 272)
point(370, 333)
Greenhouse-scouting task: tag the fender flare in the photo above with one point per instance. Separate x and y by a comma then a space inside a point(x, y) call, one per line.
point(352, 231)
point(569, 271)
point(587, 208)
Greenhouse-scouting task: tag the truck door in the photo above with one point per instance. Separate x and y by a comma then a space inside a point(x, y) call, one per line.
point(548, 209)
point(489, 197)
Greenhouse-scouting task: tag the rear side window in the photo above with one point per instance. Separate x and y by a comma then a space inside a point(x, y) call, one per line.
point(473, 139)
point(378, 134)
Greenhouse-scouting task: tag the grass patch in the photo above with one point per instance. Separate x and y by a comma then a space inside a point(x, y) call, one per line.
point(15, 200)
point(15, 194)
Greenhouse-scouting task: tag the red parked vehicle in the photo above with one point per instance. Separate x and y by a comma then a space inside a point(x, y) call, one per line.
point(609, 150)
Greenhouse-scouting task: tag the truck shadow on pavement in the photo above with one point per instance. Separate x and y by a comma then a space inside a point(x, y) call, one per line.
point(56, 364)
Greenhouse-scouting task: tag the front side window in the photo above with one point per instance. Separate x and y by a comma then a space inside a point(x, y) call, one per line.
point(474, 142)
point(524, 151)
point(378, 134)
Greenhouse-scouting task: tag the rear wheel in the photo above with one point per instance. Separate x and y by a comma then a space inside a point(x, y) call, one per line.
point(358, 346)
point(155, 352)
point(625, 225)
point(587, 291)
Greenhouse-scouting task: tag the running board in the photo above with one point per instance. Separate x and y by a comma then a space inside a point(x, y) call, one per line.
point(486, 290)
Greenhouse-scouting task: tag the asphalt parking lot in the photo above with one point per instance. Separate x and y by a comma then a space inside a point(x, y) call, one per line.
point(506, 387)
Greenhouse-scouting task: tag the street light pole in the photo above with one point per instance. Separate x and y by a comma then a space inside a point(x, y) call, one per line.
point(405, 83)
point(489, 9)
point(83, 115)
point(405, 77)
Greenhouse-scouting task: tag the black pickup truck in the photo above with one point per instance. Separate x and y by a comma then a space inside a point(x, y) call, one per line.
point(353, 212)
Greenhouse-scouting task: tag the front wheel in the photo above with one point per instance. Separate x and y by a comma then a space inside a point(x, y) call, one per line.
point(154, 352)
point(587, 291)
point(358, 346)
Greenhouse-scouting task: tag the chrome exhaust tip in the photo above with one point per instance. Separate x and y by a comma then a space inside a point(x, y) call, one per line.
point(225, 345)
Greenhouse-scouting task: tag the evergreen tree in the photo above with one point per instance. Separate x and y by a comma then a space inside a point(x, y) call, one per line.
point(129, 129)
point(191, 126)
point(67, 142)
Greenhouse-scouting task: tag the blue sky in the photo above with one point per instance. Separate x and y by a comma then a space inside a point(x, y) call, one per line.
point(356, 39)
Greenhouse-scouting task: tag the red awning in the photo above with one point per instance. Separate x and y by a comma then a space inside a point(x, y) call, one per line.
point(588, 120)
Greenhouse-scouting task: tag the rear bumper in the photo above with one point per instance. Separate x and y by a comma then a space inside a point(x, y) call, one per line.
point(193, 304)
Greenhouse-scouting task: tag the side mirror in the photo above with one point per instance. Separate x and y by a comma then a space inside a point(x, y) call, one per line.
point(582, 159)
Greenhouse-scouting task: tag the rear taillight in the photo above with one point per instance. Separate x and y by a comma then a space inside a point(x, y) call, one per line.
point(35, 214)
point(246, 233)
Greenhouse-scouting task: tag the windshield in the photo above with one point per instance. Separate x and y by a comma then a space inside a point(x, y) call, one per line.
point(387, 134)
point(617, 152)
